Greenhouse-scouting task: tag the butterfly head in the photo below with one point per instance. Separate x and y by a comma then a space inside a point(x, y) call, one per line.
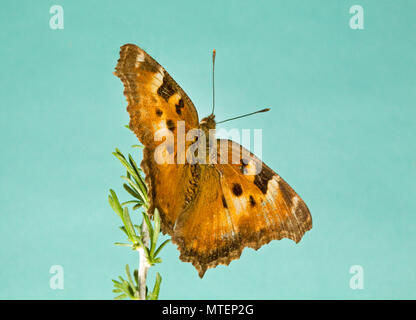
point(208, 123)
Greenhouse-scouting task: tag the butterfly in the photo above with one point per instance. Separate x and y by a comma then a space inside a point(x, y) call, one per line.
point(212, 211)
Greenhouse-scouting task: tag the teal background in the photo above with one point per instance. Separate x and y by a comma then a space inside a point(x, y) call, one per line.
point(341, 132)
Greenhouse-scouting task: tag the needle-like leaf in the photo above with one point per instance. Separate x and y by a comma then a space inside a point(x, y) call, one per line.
point(141, 197)
point(122, 244)
point(161, 247)
point(154, 295)
point(129, 278)
point(132, 191)
point(128, 224)
point(155, 234)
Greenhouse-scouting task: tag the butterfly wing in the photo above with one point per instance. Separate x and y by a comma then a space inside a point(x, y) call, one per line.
point(234, 209)
point(156, 102)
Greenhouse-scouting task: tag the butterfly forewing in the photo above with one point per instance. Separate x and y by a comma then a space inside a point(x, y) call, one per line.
point(156, 103)
point(155, 100)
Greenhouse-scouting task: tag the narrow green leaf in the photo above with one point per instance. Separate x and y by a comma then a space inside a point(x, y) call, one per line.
point(147, 254)
point(137, 206)
point(155, 235)
point(156, 260)
point(119, 285)
point(140, 181)
point(128, 224)
point(120, 244)
point(111, 202)
point(127, 289)
point(130, 202)
point(119, 152)
point(115, 204)
point(125, 163)
point(136, 278)
point(133, 164)
point(136, 188)
point(129, 278)
point(132, 192)
point(156, 288)
point(160, 247)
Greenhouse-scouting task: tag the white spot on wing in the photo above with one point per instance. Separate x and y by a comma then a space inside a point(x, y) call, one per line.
point(295, 201)
point(272, 192)
point(239, 205)
point(139, 59)
point(157, 80)
point(273, 187)
point(250, 169)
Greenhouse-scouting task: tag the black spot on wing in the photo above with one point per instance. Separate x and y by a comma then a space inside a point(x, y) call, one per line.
point(237, 190)
point(179, 107)
point(159, 112)
point(224, 202)
point(166, 90)
point(262, 179)
point(252, 201)
point(170, 124)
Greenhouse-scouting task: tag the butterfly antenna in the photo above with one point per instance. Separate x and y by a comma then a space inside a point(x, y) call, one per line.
point(245, 115)
point(213, 81)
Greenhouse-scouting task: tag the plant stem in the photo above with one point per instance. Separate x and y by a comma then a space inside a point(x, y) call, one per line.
point(143, 263)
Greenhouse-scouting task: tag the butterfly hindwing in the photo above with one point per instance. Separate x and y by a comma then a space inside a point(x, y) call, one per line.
point(233, 210)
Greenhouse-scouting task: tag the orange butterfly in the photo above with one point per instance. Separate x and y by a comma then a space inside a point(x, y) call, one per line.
point(212, 211)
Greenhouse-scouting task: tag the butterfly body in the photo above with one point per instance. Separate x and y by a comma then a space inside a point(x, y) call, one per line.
point(208, 123)
point(217, 199)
